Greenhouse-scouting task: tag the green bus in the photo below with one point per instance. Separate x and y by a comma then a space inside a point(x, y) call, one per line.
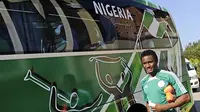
point(82, 55)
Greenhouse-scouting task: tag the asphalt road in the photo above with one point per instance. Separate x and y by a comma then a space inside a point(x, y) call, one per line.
point(196, 96)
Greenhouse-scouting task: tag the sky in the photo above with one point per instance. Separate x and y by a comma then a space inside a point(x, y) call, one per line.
point(186, 16)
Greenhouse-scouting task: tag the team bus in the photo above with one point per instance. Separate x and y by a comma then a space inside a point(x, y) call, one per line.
point(82, 55)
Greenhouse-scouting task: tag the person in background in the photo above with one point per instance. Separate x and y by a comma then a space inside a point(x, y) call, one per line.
point(155, 82)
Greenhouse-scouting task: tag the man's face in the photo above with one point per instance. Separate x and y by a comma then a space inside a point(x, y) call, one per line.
point(149, 63)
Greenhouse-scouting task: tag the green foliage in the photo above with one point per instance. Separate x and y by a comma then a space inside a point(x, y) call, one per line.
point(192, 52)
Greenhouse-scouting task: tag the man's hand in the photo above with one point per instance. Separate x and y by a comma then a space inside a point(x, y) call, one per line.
point(185, 98)
point(159, 108)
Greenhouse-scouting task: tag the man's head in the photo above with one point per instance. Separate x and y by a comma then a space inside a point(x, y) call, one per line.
point(137, 106)
point(149, 60)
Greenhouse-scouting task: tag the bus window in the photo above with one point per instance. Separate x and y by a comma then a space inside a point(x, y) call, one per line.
point(26, 25)
point(37, 32)
point(128, 28)
point(5, 40)
point(77, 27)
point(118, 33)
point(56, 29)
point(93, 32)
point(190, 66)
point(162, 36)
point(77, 24)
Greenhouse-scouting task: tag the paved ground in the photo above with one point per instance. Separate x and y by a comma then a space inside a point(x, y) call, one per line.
point(196, 107)
point(196, 96)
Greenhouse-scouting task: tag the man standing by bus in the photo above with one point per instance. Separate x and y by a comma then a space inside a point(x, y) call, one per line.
point(155, 82)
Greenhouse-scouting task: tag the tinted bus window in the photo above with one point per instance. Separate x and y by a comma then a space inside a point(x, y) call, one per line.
point(190, 66)
point(66, 26)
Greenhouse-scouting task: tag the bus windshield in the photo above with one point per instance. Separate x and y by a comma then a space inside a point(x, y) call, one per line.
point(190, 66)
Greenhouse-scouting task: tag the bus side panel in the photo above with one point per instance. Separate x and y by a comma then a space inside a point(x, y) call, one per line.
point(73, 83)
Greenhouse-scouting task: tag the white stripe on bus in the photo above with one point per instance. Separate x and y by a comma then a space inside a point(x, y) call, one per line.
point(39, 7)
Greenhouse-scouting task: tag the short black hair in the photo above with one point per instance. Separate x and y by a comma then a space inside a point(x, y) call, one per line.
point(136, 107)
point(149, 52)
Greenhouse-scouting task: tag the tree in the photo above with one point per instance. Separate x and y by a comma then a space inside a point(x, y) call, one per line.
point(192, 52)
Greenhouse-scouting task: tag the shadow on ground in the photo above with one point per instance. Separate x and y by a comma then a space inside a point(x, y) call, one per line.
point(196, 107)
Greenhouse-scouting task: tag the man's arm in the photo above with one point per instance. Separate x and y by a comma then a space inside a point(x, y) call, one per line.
point(185, 98)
